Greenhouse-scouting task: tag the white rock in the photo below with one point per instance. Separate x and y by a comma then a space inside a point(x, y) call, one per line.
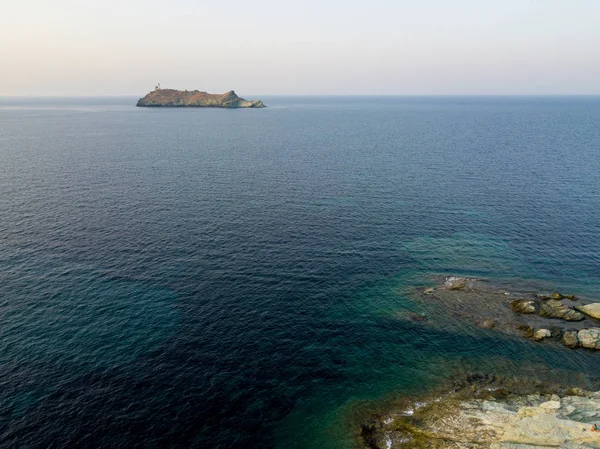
point(550, 405)
point(569, 409)
point(592, 309)
point(589, 338)
point(540, 334)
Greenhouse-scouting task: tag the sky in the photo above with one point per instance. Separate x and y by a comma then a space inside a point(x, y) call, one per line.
point(378, 47)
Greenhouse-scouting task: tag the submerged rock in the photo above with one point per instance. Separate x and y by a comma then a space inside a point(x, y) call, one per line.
point(457, 283)
point(486, 305)
point(412, 316)
point(592, 309)
point(487, 323)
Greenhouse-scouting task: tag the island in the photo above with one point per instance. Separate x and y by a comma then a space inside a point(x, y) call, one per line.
point(172, 98)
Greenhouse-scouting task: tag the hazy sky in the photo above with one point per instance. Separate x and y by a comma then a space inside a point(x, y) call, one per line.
point(79, 47)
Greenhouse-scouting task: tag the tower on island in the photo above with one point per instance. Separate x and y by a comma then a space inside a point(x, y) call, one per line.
point(157, 87)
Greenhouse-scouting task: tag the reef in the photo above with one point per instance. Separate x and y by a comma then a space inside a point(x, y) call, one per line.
point(172, 98)
point(534, 315)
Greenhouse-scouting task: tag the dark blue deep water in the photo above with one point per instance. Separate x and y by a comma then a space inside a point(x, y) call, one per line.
point(174, 278)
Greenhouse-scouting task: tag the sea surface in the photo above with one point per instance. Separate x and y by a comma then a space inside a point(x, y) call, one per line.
point(209, 278)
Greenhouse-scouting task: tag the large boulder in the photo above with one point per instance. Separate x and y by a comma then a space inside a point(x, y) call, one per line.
point(511, 421)
point(592, 309)
point(556, 309)
point(589, 338)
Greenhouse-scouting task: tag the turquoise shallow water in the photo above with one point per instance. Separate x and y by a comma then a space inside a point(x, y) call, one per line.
point(215, 278)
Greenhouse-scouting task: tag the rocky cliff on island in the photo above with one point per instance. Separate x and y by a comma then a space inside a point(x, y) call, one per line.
point(195, 99)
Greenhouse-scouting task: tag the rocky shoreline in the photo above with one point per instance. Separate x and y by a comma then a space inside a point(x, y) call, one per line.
point(171, 98)
point(489, 412)
point(485, 411)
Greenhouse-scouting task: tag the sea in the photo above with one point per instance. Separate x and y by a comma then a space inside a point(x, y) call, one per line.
point(213, 278)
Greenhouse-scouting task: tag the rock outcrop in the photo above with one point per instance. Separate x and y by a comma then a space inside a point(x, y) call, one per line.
point(547, 309)
point(556, 309)
point(195, 99)
point(491, 417)
point(536, 316)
